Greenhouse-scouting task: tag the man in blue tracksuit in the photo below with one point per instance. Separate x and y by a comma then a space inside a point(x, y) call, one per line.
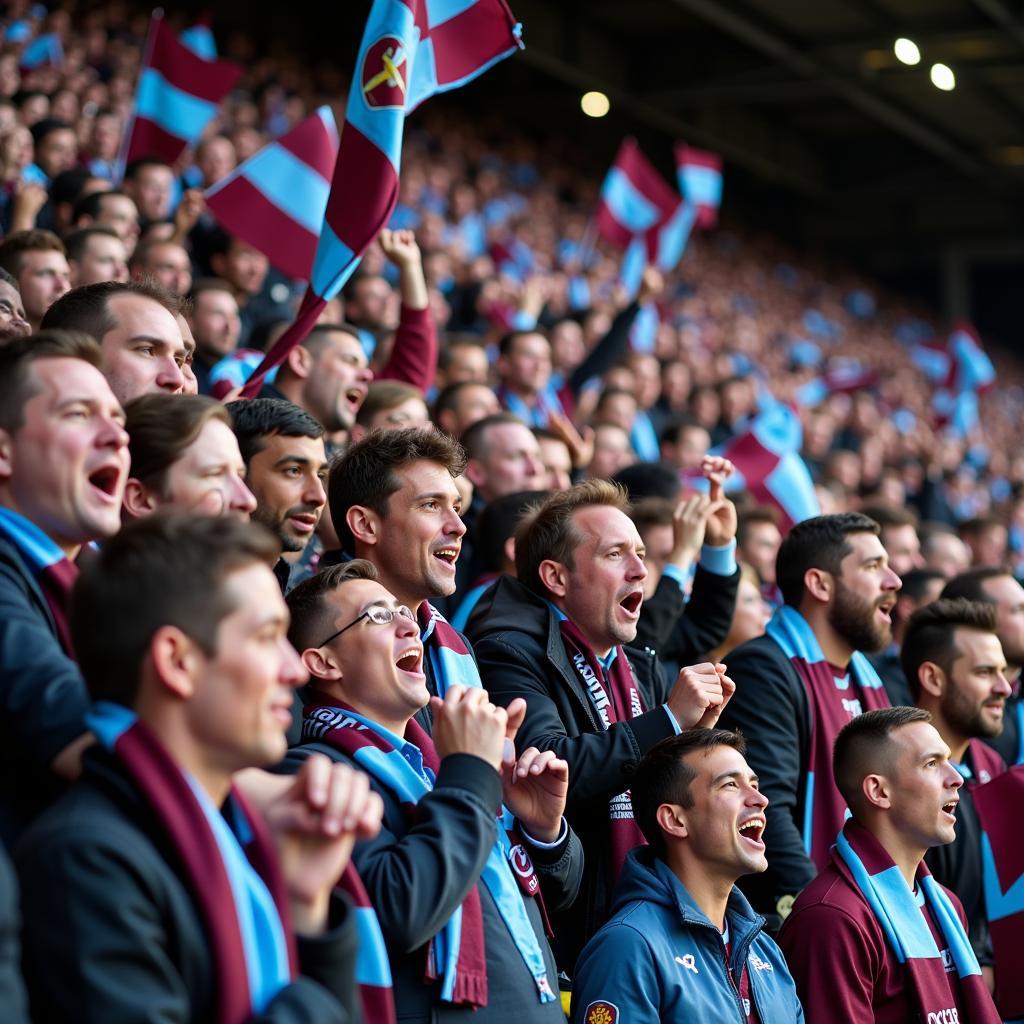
point(683, 944)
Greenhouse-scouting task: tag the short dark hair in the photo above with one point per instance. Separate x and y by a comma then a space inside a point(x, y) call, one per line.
point(382, 395)
point(78, 241)
point(139, 164)
point(971, 584)
point(818, 543)
point(365, 474)
point(931, 635)
point(917, 581)
point(92, 204)
point(164, 570)
point(508, 341)
point(498, 522)
point(87, 308)
point(448, 398)
point(161, 426)
point(650, 512)
point(474, 440)
point(14, 247)
point(860, 747)
point(204, 284)
point(979, 524)
point(754, 515)
point(9, 279)
point(664, 777)
point(311, 618)
point(444, 357)
point(17, 357)
point(649, 480)
point(47, 126)
point(890, 516)
point(255, 419)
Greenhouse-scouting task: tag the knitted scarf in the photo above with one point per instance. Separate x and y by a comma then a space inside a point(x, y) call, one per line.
point(231, 869)
point(1002, 855)
point(407, 767)
point(832, 703)
point(615, 697)
point(865, 863)
point(449, 657)
point(53, 571)
point(373, 970)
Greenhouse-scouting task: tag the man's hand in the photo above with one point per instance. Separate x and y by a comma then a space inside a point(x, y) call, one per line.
point(709, 720)
point(652, 284)
point(187, 215)
point(535, 787)
point(466, 722)
point(315, 823)
point(400, 247)
point(697, 689)
point(689, 523)
point(29, 198)
point(579, 443)
point(721, 528)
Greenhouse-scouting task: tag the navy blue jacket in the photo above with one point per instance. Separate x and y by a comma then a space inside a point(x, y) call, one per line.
point(660, 959)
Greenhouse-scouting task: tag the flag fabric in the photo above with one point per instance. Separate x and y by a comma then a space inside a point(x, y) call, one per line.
point(844, 378)
point(959, 371)
point(275, 200)
point(411, 49)
point(199, 39)
point(700, 182)
point(43, 51)
point(177, 96)
point(635, 199)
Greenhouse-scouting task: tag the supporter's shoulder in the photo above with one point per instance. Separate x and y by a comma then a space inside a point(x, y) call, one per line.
point(829, 898)
point(761, 659)
point(510, 613)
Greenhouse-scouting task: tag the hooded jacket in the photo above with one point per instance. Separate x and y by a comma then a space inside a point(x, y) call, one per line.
point(520, 652)
point(659, 958)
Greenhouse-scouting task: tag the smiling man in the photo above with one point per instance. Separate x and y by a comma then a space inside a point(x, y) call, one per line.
point(559, 636)
point(874, 938)
point(801, 682)
point(683, 944)
point(63, 466)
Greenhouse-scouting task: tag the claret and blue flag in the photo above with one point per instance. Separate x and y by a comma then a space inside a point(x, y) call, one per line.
point(635, 199)
point(411, 49)
point(700, 182)
point(177, 96)
point(276, 199)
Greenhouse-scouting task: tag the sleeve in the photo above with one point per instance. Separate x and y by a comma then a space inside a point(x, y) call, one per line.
point(617, 967)
point(559, 869)
point(414, 354)
point(707, 619)
point(766, 710)
point(416, 880)
point(13, 1004)
point(834, 964)
point(601, 763)
point(659, 615)
point(43, 700)
point(607, 351)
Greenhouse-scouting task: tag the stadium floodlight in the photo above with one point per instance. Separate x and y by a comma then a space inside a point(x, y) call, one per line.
point(906, 51)
point(595, 104)
point(943, 78)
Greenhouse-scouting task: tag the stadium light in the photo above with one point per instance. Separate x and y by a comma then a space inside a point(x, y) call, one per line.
point(595, 104)
point(943, 78)
point(906, 51)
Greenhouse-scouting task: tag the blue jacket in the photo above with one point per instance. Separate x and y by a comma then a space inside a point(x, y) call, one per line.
point(660, 959)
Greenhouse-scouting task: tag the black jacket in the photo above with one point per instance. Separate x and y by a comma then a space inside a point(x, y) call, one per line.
point(112, 934)
point(416, 876)
point(13, 1003)
point(770, 708)
point(683, 632)
point(43, 699)
point(890, 671)
point(520, 652)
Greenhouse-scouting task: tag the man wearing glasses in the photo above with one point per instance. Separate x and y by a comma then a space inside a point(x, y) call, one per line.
point(460, 892)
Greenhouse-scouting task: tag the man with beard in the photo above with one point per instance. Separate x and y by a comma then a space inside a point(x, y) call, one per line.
point(999, 588)
point(12, 313)
point(801, 682)
point(286, 469)
point(955, 665)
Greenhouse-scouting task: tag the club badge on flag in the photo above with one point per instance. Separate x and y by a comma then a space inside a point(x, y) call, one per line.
point(411, 49)
point(176, 98)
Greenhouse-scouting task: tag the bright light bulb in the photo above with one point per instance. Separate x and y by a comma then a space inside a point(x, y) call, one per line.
point(943, 78)
point(906, 51)
point(595, 104)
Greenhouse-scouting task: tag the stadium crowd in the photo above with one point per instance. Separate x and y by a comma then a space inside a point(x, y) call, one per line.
point(460, 670)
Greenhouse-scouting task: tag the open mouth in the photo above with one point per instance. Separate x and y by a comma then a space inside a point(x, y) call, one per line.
point(447, 555)
point(885, 610)
point(304, 522)
point(355, 396)
point(411, 660)
point(105, 479)
point(631, 603)
point(752, 830)
point(950, 808)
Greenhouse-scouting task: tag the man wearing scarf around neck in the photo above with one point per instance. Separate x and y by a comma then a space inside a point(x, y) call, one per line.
point(801, 682)
point(63, 467)
point(151, 890)
point(555, 637)
point(460, 889)
point(875, 938)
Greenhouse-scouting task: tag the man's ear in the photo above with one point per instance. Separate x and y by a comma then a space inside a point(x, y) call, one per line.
point(671, 820)
point(820, 584)
point(475, 473)
point(176, 659)
point(365, 524)
point(139, 501)
point(6, 455)
point(357, 433)
point(554, 576)
point(510, 550)
point(299, 362)
point(321, 664)
point(931, 679)
point(877, 790)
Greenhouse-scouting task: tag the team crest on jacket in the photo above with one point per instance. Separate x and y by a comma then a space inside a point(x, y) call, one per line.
point(601, 1012)
point(385, 74)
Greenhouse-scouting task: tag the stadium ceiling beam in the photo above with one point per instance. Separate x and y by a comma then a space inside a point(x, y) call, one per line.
point(998, 12)
point(728, 20)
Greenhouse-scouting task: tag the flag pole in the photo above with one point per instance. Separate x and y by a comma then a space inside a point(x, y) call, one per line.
point(147, 54)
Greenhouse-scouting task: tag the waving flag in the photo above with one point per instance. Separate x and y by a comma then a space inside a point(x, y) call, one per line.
point(43, 51)
point(177, 96)
point(276, 199)
point(199, 39)
point(700, 181)
point(411, 49)
point(960, 371)
point(635, 199)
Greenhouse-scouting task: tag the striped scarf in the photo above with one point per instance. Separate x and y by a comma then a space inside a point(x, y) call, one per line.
point(231, 870)
point(373, 971)
point(864, 861)
point(53, 571)
point(407, 767)
point(833, 702)
point(450, 659)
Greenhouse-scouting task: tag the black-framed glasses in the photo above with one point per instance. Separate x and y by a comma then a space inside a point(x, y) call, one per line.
point(378, 614)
